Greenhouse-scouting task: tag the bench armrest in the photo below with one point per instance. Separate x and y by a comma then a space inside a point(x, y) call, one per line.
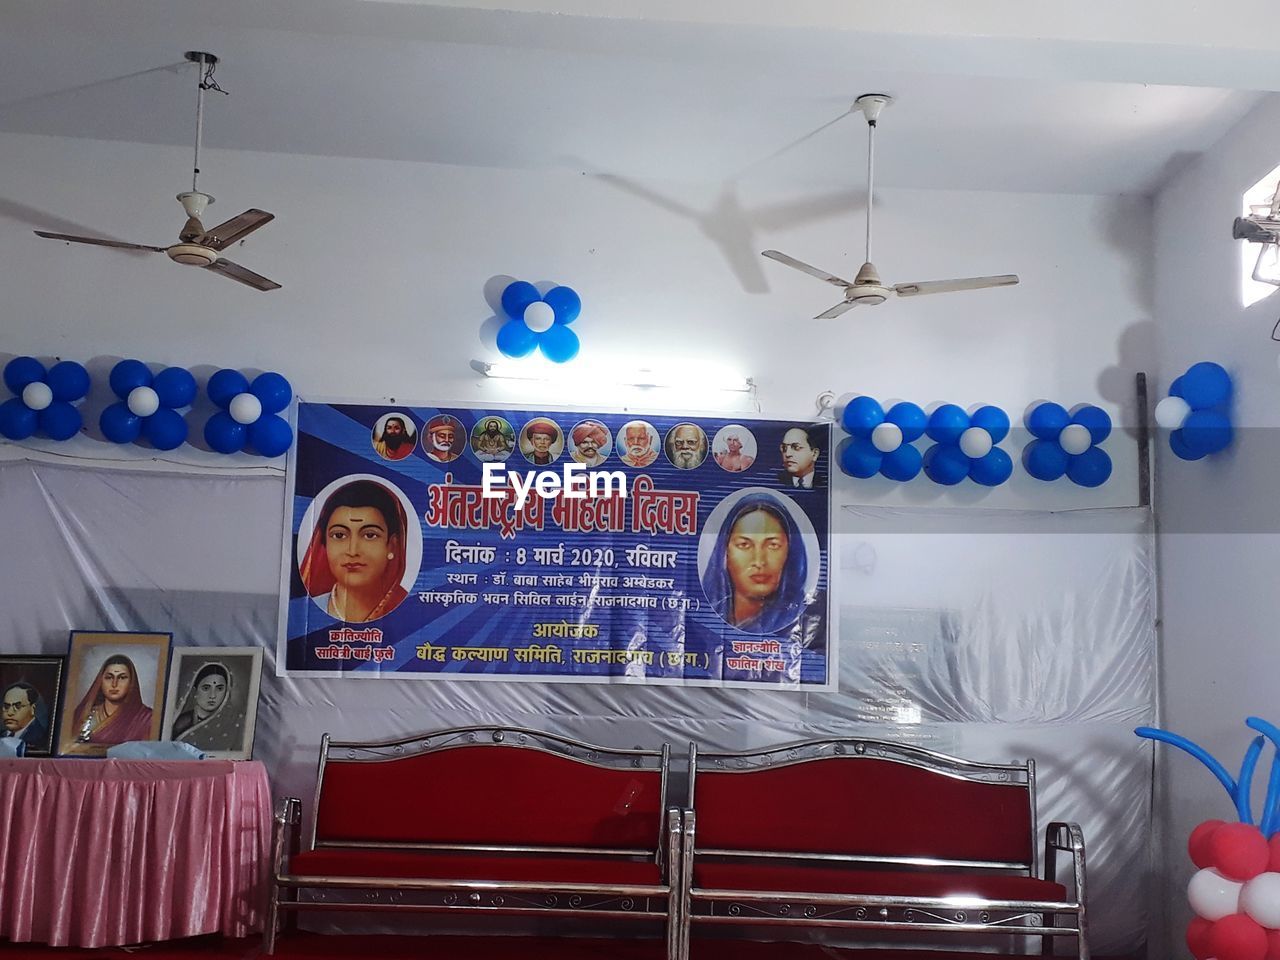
point(287, 833)
point(669, 849)
point(1068, 838)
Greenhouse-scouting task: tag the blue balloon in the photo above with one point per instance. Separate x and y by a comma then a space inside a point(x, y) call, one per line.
point(119, 425)
point(993, 420)
point(272, 390)
point(1047, 420)
point(127, 375)
point(908, 418)
point(1175, 388)
point(565, 302)
point(165, 429)
point(945, 426)
point(20, 371)
point(1090, 469)
point(223, 434)
point(516, 340)
point(68, 380)
point(1044, 460)
point(270, 436)
point(559, 344)
point(1206, 431)
point(858, 458)
point(902, 464)
point(1206, 385)
point(861, 416)
point(946, 463)
point(517, 296)
point(176, 387)
point(225, 385)
point(1095, 420)
point(60, 420)
point(17, 420)
point(993, 469)
point(1178, 444)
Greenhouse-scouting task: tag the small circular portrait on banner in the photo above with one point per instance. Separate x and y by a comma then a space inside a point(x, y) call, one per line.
point(734, 448)
point(394, 436)
point(541, 441)
point(590, 442)
point(638, 443)
point(359, 548)
point(686, 446)
point(444, 438)
point(492, 439)
point(759, 560)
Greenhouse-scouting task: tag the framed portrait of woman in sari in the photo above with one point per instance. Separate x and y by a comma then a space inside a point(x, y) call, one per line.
point(114, 690)
point(213, 699)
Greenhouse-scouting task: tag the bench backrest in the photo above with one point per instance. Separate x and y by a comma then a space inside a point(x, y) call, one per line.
point(865, 801)
point(490, 787)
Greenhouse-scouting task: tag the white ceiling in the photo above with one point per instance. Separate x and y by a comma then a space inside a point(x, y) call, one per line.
point(634, 92)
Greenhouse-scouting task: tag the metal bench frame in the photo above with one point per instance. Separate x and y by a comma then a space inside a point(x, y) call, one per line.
point(1046, 919)
point(443, 895)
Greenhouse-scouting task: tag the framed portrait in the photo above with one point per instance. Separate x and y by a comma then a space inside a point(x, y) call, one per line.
point(32, 690)
point(213, 699)
point(114, 690)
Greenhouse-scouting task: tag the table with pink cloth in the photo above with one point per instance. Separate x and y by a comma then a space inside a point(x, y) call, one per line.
point(110, 852)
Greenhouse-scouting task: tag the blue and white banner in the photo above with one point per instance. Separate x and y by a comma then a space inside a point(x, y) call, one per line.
point(454, 542)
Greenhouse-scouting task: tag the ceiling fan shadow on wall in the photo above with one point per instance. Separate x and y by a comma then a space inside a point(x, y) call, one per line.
point(196, 246)
point(867, 289)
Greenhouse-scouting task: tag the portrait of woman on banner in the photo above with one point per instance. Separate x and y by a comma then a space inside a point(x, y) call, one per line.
point(112, 710)
point(356, 558)
point(757, 573)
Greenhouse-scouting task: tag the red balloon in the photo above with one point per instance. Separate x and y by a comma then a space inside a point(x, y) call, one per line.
point(1238, 937)
point(1198, 843)
point(1240, 851)
point(1198, 938)
point(1273, 864)
point(1273, 945)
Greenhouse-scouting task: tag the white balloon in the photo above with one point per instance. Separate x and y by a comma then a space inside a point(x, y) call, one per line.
point(1212, 895)
point(1171, 412)
point(1260, 899)
point(975, 443)
point(143, 401)
point(245, 408)
point(887, 437)
point(37, 395)
point(1075, 439)
point(539, 316)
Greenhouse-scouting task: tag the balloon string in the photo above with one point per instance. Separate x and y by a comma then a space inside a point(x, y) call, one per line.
point(1197, 751)
point(1244, 787)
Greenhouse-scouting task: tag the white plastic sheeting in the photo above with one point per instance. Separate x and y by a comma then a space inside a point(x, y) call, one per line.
point(988, 635)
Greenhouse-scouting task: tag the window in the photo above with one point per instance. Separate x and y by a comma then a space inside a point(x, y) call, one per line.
point(1259, 196)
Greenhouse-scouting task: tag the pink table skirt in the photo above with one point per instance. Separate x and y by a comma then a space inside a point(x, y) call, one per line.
point(110, 852)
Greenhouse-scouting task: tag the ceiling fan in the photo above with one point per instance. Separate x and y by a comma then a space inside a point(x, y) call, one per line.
point(196, 246)
point(867, 288)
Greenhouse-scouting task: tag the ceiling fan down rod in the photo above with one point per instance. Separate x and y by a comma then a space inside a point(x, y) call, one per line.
point(871, 172)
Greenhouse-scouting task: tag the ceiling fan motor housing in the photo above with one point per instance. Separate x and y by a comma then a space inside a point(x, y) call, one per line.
point(191, 254)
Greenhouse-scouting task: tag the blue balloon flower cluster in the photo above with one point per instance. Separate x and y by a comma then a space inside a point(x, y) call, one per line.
point(882, 442)
point(1197, 412)
point(1067, 443)
point(965, 446)
point(539, 321)
point(42, 398)
point(249, 413)
point(148, 405)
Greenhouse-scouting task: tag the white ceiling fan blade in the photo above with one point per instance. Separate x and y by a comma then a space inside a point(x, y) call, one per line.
point(948, 286)
point(805, 268)
point(837, 310)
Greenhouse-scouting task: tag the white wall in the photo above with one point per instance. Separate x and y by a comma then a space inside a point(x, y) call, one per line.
point(385, 267)
point(1219, 544)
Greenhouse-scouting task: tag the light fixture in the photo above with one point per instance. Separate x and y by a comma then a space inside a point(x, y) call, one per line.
point(643, 377)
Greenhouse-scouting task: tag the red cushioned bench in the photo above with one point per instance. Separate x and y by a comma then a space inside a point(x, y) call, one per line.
point(485, 819)
point(869, 835)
